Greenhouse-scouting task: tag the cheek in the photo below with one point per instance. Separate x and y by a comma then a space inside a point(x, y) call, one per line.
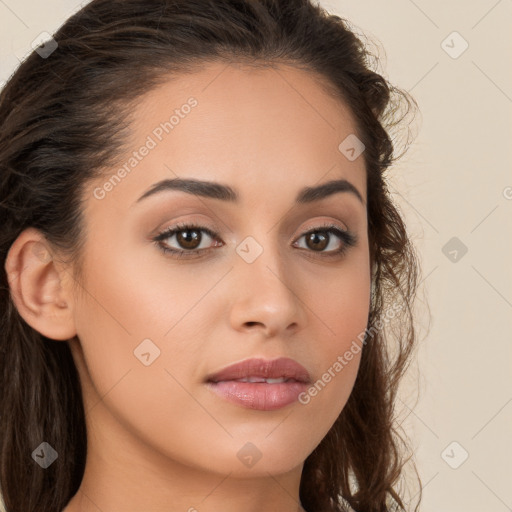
point(339, 302)
point(135, 312)
point(341, 308)
point(126, 319)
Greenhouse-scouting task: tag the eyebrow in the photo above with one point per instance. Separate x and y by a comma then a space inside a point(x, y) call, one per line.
point(222, 192)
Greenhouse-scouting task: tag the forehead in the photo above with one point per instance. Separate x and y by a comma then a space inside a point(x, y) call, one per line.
point(268, 130)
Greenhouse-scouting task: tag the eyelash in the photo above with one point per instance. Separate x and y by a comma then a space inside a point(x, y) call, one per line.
point(349, 240)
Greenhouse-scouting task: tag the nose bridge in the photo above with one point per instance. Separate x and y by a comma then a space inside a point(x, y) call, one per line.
point(266, 293)
point(259, 255)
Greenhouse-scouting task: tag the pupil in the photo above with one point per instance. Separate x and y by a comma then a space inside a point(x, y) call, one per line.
point(315, 238)
point(188, 241)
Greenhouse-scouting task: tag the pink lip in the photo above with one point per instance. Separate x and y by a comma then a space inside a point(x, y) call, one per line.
point(261, 395)
point(265, 368)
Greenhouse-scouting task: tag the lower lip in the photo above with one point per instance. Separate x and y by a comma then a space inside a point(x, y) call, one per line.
point(259, 395)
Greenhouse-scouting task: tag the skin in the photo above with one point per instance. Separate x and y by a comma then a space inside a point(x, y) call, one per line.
point(158, 439)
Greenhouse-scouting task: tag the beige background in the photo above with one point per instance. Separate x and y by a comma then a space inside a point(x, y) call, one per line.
point(455, 181)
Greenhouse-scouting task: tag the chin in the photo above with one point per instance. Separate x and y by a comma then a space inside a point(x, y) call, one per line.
point(254, 458)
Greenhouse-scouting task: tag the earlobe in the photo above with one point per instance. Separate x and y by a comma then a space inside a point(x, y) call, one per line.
point(39, 288)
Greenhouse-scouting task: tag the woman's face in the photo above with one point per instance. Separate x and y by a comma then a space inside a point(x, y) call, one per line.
point(152, 326)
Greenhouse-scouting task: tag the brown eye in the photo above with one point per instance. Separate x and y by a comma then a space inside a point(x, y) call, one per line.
point(191, 240)
point(187, 239)
point(317, 241)
point(328, 241)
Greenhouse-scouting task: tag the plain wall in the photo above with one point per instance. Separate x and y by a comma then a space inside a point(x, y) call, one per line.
point(454, 186)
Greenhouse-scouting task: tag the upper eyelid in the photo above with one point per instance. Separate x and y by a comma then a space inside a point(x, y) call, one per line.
point(171, 231)
point(184, 226)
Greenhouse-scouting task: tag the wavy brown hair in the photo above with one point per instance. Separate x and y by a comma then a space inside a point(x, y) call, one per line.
point(65, 117)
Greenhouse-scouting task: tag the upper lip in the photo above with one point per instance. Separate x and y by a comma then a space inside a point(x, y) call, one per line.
point(268, 369)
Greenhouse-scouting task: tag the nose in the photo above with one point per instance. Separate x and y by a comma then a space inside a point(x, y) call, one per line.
point(267, 297)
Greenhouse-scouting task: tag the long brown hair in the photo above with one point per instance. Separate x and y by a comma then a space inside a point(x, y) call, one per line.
point(65, 116)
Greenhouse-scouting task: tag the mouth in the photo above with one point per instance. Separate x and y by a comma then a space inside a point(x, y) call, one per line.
point(260, 384)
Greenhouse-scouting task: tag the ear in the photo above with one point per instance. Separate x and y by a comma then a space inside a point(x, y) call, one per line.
point(40, 288)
